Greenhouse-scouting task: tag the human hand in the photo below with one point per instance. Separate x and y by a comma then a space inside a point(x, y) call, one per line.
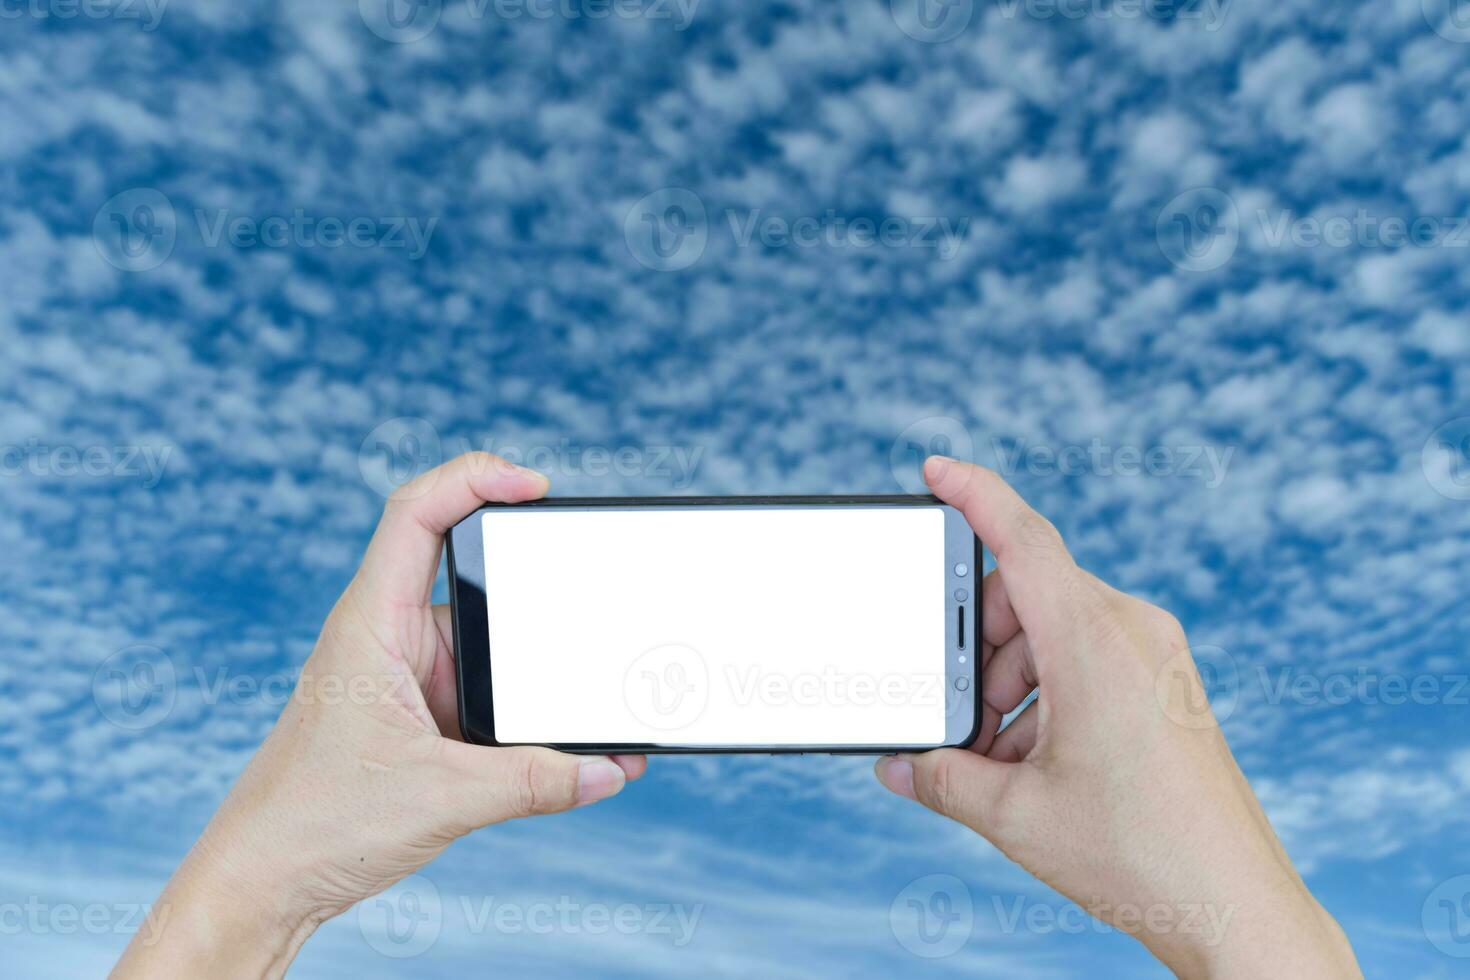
point(364, 778)
point(1098, 787)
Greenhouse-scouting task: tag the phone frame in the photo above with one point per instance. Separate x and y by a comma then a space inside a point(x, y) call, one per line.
point(470, 615)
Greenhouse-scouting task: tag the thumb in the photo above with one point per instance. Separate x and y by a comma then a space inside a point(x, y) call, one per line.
point(499, 784)
point(962, 785)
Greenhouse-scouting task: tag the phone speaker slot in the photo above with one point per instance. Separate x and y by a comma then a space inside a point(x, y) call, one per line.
point(962, 627)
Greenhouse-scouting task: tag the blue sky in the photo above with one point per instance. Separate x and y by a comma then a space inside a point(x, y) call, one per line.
point(1192, 275)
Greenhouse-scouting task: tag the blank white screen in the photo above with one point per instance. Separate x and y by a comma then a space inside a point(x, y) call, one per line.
point(761, 626)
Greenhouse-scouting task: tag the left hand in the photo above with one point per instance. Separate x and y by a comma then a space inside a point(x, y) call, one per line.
point(364, 778)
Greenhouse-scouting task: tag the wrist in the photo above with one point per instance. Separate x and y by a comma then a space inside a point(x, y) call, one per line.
point(218, 919)
point(1280, 931)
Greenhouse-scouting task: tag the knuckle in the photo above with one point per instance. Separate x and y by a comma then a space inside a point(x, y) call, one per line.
point(538, 787)
point(940, 791)
point(1037, 534)
point(1165, 623)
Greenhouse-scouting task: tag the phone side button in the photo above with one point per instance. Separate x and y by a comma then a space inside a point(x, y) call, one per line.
point(961, 683)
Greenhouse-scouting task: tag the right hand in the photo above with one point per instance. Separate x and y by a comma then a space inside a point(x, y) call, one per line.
point(1115, 789)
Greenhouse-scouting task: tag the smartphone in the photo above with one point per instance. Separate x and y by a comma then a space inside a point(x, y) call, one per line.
point(840, 624)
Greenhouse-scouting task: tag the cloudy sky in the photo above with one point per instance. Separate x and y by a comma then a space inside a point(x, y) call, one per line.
point(1192, 274)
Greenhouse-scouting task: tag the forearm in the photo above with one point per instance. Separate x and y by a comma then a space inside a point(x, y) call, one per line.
point(1271, 931)
point(212, 922)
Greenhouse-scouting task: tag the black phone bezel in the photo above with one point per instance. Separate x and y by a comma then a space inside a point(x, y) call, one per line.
point(470, 618)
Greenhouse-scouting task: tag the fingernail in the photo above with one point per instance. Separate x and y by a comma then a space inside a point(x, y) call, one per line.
point(598, 779)
point(898, 775)
point(935, 467)
point(526, 471)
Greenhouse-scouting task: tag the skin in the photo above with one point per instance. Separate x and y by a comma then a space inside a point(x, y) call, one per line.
point(1115, 786)
point(364, 778)
point(1110, 791)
